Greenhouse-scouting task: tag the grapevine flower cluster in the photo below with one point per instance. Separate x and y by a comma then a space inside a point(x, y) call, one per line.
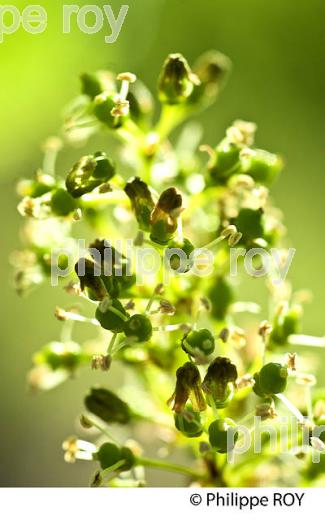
point(199, 362)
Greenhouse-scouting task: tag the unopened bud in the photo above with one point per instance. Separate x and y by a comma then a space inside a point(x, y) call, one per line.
point(164, 216)
point(188, 387)
point(176, 81)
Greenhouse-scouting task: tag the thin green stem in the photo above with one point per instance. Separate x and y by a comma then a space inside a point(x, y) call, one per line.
point(168, 466)
point(263, 352)
point(98, 199)
point(213, 406)
point(66, 332)
point(124, 343)
point(112, 468)
point(247, 417)
point(117, 312)
point(171, 116)
point(169, 328)
point(111, 344)
point(101, 429)
point(150, 302)
point(214, 242)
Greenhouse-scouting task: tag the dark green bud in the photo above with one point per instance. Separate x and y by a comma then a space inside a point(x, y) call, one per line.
point(198, 342)
point(176, 261)
point(225, 162)
point(262, 166)
point(188, 422)
point(62, 203)
point(177, 81)
point(164, 216)
point(94, 84)
point(89, 173)
point(112, 315)
point(107, 406)
point(223, 435)
point(219, 381)
point(251, 223)
point(273, 378)
point(116, 272)
point(109, 454)
point(221, 296)
point(141, 201)
point(138, 326)
point(58, 356)
point(188, 387)
point(85, 269)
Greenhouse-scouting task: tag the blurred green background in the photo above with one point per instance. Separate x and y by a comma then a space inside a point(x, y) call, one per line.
point(278, 80)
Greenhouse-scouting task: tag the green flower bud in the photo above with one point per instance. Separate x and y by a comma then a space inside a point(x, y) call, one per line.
point(164, 216)
point(221, 296)
point(62, 204)
point(212, 69)
point(225, 162)
point(177, 81)
point(223, 435)
point(94, 84)
point(188, 422)
point(273, 378)
point(262, 166)
point(104, 105)
point(176, 262)
point(188, 387)
point(141, 201)
point(107, 406)
point(250, 222)
point(138, 326)
point(88, 173)
point(115, 267)
point(57, 355)
point(112, 316)
point(284, 325)
point(198, 342)
point(94, 285)
point(109, 454)
point(219, 380)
